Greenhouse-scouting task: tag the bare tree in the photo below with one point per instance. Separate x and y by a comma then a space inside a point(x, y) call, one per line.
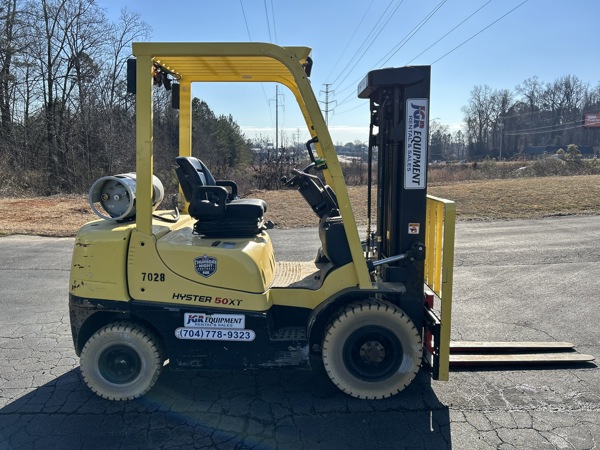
point(66, 36)
point(129, 28)
point(478, 117)
point(8, 49)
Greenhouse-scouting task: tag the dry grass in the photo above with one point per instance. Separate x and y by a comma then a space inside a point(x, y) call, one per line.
point(523, 198)
point(44, 216)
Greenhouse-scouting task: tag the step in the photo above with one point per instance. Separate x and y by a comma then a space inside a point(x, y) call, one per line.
point(290, 334)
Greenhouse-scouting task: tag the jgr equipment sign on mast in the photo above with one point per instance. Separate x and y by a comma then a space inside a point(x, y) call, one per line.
point(415, 160)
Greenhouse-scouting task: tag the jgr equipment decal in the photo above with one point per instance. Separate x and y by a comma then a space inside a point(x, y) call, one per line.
point(201, 320)
point(204, 334)
point(415, 159)
point(205, 265)
point(214, 327)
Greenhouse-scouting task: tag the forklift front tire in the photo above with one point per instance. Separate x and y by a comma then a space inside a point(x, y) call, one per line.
point(372, 350)
point(121, 361)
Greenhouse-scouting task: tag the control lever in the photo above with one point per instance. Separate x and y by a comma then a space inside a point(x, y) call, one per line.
point(416, 253)
point(293, 181)
point(319, 163)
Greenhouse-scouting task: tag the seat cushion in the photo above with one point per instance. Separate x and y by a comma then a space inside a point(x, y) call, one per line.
point(249, 208)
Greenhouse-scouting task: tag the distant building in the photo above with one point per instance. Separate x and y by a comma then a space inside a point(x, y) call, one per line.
point(539, 150)
point(587, 151)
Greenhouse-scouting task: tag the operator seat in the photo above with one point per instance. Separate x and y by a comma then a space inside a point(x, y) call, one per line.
point(219, 212)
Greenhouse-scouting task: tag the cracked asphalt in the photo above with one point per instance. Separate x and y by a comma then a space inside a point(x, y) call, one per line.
point(514, 280)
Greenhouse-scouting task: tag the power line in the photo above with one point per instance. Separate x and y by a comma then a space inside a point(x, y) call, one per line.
point(363, 43)
point(273, 17)
point(480, 31)
point(540, 131)
point(397, 47)
point(479, 9)
point(261, 84)
point(352, 109)
point(268, 23)
point(373, 41)
point(413, 32)
point(517, 133)
point(549, 126)
point(245, 20)
point(350, 40)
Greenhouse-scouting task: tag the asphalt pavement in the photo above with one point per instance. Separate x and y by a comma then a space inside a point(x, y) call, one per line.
point(514, 281)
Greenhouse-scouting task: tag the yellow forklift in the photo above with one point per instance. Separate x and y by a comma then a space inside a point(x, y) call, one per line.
point(203, 289)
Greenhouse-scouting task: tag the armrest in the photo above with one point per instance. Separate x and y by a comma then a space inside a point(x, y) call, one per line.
point(230, 184)
point(208, 202)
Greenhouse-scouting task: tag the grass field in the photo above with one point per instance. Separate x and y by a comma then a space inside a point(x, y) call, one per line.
point(519, 198)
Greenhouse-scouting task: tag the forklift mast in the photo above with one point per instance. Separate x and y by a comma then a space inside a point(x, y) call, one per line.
point(399, 107)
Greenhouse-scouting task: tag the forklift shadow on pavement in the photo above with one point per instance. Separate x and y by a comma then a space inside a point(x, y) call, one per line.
point(226, 409)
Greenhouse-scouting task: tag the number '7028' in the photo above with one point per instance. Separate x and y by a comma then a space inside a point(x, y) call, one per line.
point(153, 276)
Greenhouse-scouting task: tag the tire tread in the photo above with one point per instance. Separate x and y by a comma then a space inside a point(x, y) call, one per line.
point(346, 313)
point(142, 333)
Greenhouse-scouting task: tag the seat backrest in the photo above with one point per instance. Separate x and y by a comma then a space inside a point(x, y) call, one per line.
point(334, 242)
point(192, 173)
point(321, 199)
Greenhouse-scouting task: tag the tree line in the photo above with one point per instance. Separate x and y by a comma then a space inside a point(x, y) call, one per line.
point(66, 118)
point(502, 122)
point(65, 115)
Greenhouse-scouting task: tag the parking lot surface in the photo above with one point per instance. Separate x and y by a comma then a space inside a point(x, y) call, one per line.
point(514, 281)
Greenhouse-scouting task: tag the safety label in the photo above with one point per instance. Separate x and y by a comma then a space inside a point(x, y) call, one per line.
point(414, 228)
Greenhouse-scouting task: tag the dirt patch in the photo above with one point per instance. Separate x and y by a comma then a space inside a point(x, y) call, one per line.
point(525, 198)
point(45, 216)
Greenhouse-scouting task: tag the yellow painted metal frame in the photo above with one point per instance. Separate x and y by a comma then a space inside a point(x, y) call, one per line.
point(439, 268)
point(233, 62)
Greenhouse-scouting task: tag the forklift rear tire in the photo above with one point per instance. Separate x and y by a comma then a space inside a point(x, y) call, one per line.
point(372, 350)
point(121, 361)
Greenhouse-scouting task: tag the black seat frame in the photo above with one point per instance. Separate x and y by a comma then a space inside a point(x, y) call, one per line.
point(218, 211)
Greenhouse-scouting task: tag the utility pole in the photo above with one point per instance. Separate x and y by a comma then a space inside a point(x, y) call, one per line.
point(277, 94)
point(327, 102)
point(501, 139)
point(297, 143)
point(276, 118)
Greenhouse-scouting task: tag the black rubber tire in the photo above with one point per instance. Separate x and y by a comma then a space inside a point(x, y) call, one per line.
point(121, 361)
point(372, 350)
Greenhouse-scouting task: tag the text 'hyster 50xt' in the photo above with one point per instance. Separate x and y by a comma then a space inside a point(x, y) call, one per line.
point(205, 290)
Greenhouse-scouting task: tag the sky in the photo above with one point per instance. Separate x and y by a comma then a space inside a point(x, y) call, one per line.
point(499, 43)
